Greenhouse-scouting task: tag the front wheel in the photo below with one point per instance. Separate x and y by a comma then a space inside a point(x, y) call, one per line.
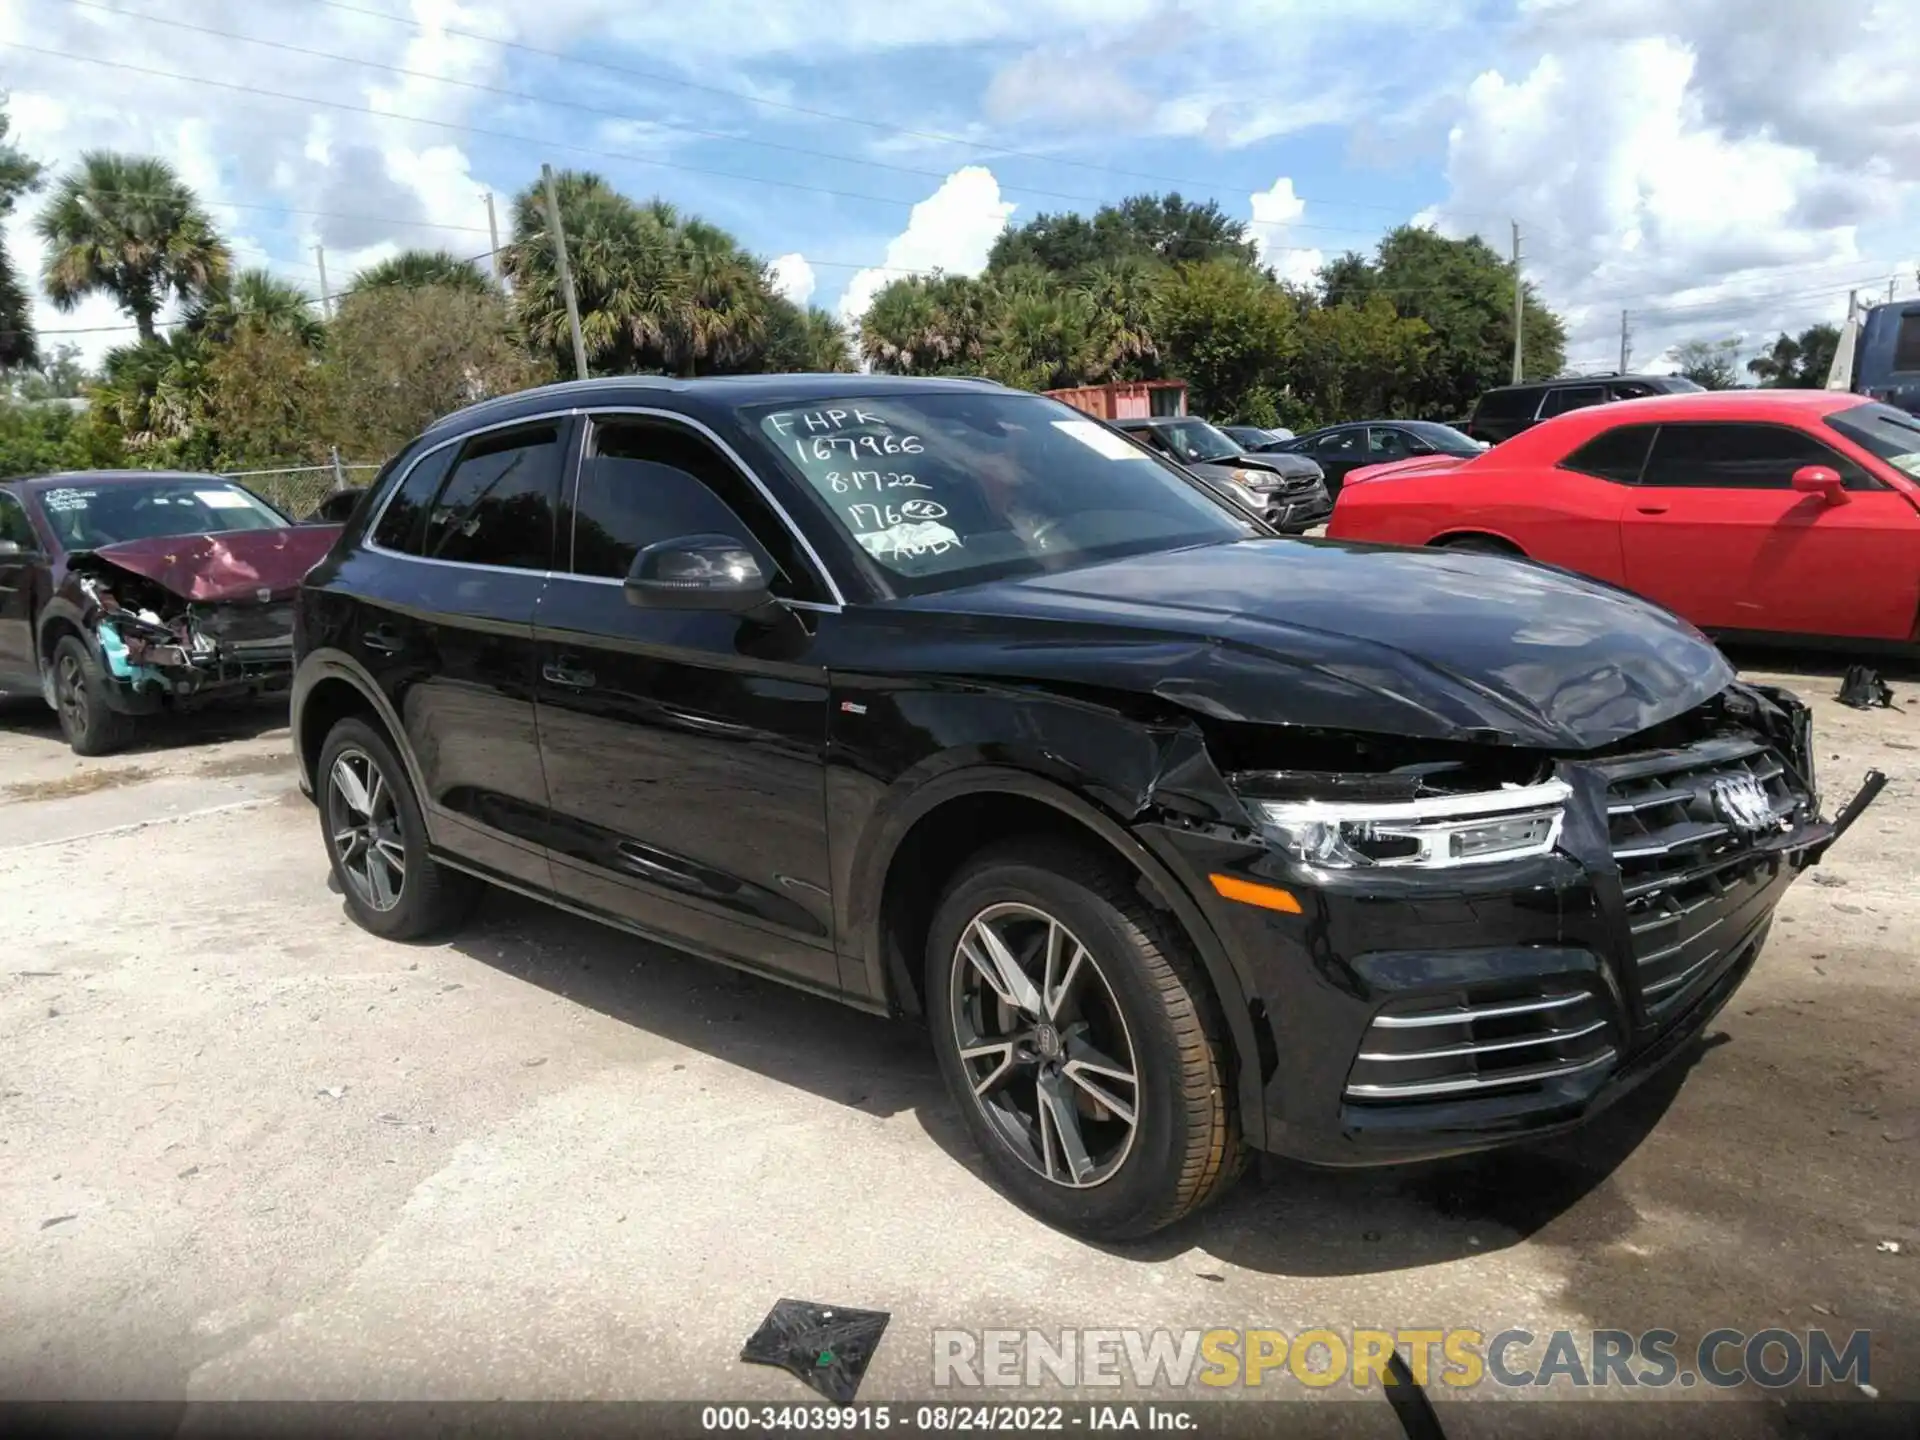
point(377, 840)
point(88, 720)
point(1081, 1042)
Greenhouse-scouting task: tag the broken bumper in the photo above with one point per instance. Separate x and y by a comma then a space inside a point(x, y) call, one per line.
point(1410, 1015)
point(149, 666)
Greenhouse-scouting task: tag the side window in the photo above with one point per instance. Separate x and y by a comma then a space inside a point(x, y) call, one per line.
point(497, 505)
point(399, 526)
point(13, 523)
point(648, 481)
point(1741, 457)
point(1509, 404)
point(1339, 442)
point(1573, 397)
point(1906, 343)
point(1629, 389)
point(1386, 443)
point(1617, 454)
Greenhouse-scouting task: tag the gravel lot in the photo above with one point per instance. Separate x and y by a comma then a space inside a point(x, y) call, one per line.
point(247, 1150)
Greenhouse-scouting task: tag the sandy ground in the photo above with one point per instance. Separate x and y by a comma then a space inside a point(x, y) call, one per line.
point(247, 1150)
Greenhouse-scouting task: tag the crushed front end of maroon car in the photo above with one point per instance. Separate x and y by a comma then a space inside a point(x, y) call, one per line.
point(188, 619)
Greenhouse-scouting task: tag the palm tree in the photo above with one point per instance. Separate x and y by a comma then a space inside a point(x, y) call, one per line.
point(126, 226)
point(256, 299)
point(903, 330)
point(18, 175)
point(1121, 291)
point(153, 390)
point(414, 268)
point(721, 320)
point(804, 341)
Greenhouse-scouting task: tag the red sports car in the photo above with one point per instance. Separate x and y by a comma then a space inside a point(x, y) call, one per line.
point(1770, 512)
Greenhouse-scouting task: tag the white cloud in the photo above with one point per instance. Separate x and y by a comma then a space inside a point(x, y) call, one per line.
point(951, 230)
point(793, 278)
point(1274, 210)
point(1717, 171)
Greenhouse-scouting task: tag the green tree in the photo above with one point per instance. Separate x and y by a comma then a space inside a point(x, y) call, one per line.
point(263, 401)
point(1357, 360)
point(1122, 292)
point(1163, 227)
point(932, 325)
point(720, 319)
point(1708, 363)
point(414, 268)
point(126, 226)
point(152, 392)
point(398, 358)
point(1463, 292)
point(1044, 340)
point(1229, 332)
point(18, 176)
point(62, 376)
point(805, 341)
point(38, 439)
point(1797, 362)
point(258, 301)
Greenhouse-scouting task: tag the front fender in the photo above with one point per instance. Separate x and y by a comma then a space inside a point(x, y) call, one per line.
point(908, 803)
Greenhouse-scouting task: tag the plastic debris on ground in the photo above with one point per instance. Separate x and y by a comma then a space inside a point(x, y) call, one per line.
point(1863, 689)
point(826, 1346)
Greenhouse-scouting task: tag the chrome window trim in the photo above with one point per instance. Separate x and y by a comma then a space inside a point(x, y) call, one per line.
point(588, 414)
point(398, 484)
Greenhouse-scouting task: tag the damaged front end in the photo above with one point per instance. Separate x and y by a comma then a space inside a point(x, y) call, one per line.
point(195, 621)
point(1451, 945)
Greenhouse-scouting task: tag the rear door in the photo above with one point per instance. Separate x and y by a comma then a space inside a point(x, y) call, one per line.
point(1716, 531)
point(685, 750)
point(20, 560)
point(445, 616)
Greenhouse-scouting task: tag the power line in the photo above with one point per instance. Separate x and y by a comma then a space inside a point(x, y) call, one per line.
point(612, 114)
point(659, 78)
point(508, 136)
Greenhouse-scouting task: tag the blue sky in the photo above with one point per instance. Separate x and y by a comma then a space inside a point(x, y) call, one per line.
point(1720, 170)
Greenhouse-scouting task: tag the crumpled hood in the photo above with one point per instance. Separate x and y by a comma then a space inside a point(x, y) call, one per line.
point(1427, 643)
point(1280, 463)
point(260, 565)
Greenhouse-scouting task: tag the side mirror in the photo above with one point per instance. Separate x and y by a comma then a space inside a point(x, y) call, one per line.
point(699, 572)
point(1821, 480)
point(9, 547)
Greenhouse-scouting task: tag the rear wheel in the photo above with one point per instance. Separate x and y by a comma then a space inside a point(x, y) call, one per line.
point(1080, 1041)
point(377, 840)
point(92, 726)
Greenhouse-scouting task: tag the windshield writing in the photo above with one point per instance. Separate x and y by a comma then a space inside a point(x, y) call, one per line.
point(86, 517)
point(944, 489)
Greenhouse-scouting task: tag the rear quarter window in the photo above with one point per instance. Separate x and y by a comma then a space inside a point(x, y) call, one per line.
point(1618, 454)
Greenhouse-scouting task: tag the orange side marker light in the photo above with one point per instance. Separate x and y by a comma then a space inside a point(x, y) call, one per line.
point(1267, 897)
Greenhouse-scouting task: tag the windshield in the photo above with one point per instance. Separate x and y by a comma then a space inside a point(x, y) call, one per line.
point(1891, 434)
point(1198, 442)
point(944, 489)
point(86, 517)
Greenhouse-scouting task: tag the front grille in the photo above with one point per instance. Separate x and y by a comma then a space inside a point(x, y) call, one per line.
point(1443, 1046)
point(1687, 867)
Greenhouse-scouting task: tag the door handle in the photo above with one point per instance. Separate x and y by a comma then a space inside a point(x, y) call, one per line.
point(566, 676)
point(1651, 509)
point(383, 640)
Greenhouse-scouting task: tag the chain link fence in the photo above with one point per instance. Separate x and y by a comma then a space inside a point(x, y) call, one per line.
point(298, 490)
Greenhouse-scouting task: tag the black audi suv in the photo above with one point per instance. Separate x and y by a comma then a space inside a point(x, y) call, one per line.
point(948, 701)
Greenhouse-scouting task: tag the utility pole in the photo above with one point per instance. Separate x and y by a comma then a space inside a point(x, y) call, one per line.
point(1519, 302)
point(493, 235)
point(1626, 342)
point(1890, 280)
point(326, 300)
point(566, 274)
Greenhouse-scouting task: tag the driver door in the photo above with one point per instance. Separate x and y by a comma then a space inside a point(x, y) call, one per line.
point(685, 750)
point(20, 559)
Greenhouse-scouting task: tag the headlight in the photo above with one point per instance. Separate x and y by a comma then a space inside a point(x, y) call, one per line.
point(1262, 480)
point(1438, 833)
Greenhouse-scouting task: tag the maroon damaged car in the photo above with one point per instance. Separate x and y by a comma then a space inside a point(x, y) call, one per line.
point(127, 593)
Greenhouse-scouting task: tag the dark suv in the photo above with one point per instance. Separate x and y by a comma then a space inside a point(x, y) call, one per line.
point(1503, 413)
point(947, 700)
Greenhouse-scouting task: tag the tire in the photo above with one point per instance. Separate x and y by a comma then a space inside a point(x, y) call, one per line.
point(376, 840)
point(1136, 1003)
point(1481, 545)
point(91, 725)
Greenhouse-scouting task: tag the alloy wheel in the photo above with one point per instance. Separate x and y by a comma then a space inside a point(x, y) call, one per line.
point(364, 821)
point(1044, 1046)
point(70, 687)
